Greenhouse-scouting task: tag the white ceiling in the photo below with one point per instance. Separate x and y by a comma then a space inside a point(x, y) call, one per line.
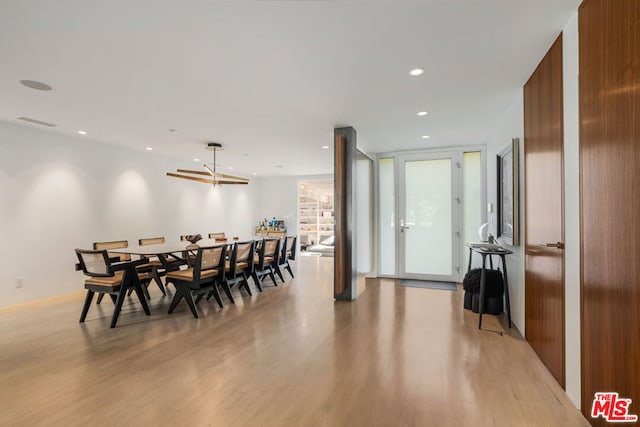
point(270, 80)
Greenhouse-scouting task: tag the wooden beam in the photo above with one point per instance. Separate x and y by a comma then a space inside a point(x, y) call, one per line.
point(221, 175)
point(205, 181)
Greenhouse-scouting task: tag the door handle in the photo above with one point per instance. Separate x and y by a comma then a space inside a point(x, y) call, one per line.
point(559, 245)
point(403, 227)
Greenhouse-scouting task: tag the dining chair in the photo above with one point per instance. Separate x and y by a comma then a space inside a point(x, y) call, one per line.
point(116, 244)
point(264, 260)
point(107, 278)
point(191, 260)
point(291, 253)
point(151, 241)
point(239, 267)
point(153, 264)
point(223, 282)
point(281, 256)
point(287, 254)
point(199, 280)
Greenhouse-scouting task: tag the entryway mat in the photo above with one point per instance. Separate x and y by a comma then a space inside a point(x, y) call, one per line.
point(429, 284)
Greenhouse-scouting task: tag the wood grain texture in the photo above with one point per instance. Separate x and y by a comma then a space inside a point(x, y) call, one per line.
point(345, 260)
point(289, 356)
point(609, 184)
point(340, 204)
point(544, 215)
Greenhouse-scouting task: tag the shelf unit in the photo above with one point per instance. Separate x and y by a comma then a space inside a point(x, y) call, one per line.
point(315, 212)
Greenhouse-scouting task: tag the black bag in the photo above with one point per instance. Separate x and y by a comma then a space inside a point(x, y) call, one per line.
point(494, 284)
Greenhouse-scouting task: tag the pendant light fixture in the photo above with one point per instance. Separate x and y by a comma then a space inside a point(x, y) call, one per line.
point(213, 177)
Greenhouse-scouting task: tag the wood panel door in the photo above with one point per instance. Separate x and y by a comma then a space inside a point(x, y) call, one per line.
point(610, 206)
point(544, 211)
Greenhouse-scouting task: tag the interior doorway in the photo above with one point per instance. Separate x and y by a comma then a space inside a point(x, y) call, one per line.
point(316, 217)
point(544, 212)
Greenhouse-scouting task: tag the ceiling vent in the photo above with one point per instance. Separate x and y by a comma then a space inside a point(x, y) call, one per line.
point(37, 122)
point(32, 84)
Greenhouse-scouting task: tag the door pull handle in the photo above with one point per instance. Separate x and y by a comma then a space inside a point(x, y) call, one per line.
point(558, 245)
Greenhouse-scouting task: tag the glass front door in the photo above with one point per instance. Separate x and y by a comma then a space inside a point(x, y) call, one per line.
point(428, 217)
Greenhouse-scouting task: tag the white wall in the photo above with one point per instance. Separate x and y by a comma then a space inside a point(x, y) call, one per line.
point(60, 192)
point(510, 126)
point(571, 209)
point(279, 197)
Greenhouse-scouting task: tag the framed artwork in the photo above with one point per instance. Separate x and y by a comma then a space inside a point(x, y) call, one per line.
point(508, 229)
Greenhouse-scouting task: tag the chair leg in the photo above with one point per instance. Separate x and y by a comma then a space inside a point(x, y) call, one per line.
point(112, 296)
point(100, 296)
point(156, 278)
point(118, 307)
point(145, 290)
point(176, 299)
point(188, 297)
point(140, 291)
point(256, 280)
point(288, 267)
point(166, 285)
point(199, 297)
point(273, 277)
point(277, 268)
point(87, 304)
point(244, 282)
point(216, 295)
point(227, 290)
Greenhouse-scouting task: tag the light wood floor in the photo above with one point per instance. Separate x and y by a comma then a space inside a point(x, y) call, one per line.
point(288, 357)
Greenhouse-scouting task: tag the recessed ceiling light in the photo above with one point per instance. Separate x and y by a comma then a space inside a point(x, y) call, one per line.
point(32, 84)
point(255, 173)
point(149, 148)
point(422, 113)
point(416, 72)
point(279, 166)
point(229, 167)
point(325, 147)
point(425, 136)
point(196, 159)
point(82, 132)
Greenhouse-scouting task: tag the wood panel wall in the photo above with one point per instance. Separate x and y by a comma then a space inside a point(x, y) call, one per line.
point(610, 199)
point(544, 211)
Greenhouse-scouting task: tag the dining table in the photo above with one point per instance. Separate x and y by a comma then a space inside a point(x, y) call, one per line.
point(164, 249)
point(166, 252)
point(171, 254)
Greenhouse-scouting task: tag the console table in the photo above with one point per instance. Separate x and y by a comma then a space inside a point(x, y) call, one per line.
point(491, 250)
